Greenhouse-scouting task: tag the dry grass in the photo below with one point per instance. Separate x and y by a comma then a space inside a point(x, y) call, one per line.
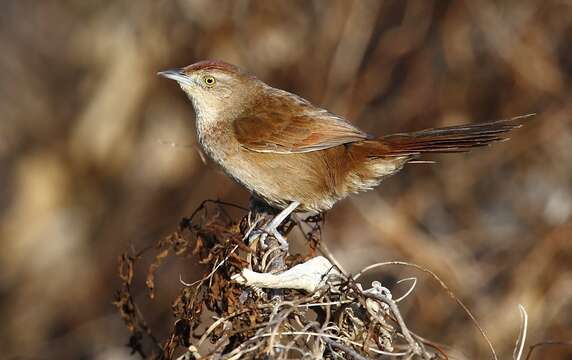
point(216, 318)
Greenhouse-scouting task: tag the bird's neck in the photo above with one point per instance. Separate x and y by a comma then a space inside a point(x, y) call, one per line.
point(215, 135)
point(214, 122)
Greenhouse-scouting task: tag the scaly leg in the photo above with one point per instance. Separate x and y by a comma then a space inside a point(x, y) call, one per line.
point(272, 227)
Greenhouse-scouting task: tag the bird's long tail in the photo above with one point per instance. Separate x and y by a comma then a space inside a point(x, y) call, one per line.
point(453, 139)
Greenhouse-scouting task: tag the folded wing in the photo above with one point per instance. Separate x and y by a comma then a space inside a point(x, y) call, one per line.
point(280, 131)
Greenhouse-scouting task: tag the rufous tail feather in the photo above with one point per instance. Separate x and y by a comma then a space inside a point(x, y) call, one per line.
point(453, 139)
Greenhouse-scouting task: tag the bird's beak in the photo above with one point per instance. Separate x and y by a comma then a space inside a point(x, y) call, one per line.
point(177, 75)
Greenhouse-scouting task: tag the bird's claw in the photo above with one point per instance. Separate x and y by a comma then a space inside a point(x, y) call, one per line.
point(261, 235)
point(283, 243)
point(272, 228)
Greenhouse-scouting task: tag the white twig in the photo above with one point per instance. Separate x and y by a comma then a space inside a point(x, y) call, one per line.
point(308, 276)
point(409, 291)
point(519, 346)
point(191, 353)
point(445, 287)
point(355, 343)
point(213, 270)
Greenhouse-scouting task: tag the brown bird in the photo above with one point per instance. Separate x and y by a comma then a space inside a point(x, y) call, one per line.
point(296, 156)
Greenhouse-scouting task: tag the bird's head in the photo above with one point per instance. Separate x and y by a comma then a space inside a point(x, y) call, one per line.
point(215, 87)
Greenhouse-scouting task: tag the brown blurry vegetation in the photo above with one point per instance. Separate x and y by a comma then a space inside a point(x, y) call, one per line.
point(88, 169)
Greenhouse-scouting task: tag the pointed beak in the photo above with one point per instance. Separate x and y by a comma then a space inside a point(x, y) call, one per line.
point(177, 75)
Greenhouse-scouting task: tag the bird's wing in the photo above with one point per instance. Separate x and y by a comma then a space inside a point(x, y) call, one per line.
point(292, 125)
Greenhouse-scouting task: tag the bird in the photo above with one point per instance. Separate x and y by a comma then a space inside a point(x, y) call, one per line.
point(296, 156)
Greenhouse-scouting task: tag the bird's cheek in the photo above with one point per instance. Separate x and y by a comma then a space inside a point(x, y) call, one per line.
point(224, 92)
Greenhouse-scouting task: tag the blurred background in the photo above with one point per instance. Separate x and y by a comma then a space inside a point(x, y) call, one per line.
point(98, 155)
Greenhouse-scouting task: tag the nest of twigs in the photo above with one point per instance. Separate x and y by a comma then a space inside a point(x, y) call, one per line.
point(220, 319)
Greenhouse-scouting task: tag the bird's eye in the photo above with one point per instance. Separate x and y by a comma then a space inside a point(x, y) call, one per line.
point(209, 81)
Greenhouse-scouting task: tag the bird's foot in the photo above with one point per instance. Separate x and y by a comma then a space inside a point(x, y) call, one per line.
point(273, 231)
point(272, 228)
point(261, 236)
point(258, 236)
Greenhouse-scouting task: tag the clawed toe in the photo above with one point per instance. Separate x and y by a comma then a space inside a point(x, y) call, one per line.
point(272, 229)
point(276, 234)
point(259, 235)
point(262, 237)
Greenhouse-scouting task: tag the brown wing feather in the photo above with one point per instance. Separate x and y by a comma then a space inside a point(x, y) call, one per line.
point(272, 128)
point(449, 139)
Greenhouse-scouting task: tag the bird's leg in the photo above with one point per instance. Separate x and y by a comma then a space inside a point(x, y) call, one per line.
point(272, 227)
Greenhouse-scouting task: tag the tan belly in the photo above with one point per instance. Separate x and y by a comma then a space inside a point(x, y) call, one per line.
point(317, 180)
point(283, 178)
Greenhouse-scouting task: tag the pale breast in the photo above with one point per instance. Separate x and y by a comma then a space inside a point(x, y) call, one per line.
point(283, 178)
point(277, 178)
